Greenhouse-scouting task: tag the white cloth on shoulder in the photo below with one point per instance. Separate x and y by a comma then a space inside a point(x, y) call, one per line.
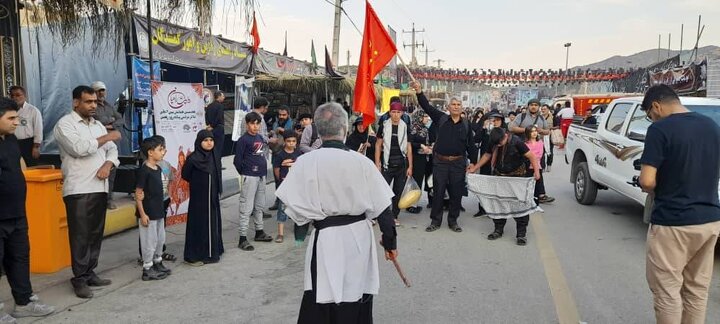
point(504, 197)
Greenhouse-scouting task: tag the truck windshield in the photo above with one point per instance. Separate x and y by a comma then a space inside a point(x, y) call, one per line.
point(711, 111)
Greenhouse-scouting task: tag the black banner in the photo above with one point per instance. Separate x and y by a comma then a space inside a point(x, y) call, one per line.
point(177, 45)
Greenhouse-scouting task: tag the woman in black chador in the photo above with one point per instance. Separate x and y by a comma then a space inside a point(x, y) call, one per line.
point(203, 235)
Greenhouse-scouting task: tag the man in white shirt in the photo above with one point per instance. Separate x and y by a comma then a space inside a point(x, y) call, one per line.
point(340, 191)
point(88, 155)
point(111, 119)
point(566, 117)
point(30, 131)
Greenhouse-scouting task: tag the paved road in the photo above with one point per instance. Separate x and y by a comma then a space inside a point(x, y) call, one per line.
point(585, 261)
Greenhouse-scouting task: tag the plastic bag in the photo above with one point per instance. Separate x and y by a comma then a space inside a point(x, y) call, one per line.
point(410, 194)
point(556, 137)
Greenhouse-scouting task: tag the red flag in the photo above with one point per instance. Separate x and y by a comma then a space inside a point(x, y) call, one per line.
point(255, 35)
point(377, 50)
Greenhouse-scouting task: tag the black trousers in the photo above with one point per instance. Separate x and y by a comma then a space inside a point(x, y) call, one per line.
point(397, 177)
point(448, 176)
point(521, 223)
point(86, 223)
point(421, 170)
point(111, 184)
point(219, 138)
point(26, 147)
point(550, 155)
point(15, 256)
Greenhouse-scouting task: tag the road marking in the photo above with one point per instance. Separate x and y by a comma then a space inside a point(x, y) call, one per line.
point(565, 307)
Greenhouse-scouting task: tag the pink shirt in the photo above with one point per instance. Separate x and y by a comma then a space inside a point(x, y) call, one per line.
point(537, 149)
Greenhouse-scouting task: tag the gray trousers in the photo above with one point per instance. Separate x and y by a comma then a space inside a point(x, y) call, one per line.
point(152, 238)
point(252, 203)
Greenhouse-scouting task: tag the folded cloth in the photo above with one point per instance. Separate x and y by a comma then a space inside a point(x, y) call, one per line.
point(504, 197)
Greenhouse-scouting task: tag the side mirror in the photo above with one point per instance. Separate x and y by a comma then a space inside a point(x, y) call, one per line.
point(636, 136)
point(637, 165)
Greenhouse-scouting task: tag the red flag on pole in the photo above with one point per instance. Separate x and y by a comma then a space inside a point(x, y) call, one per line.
point(255, 35)
point(377, 50)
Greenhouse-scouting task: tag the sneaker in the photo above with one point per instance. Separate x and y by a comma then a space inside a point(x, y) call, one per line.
point(33, 309)
point(494, 235)
point(546, 199)
point(161, 267)
point(414, 210)
point(6, 318)
point(245, 246)
point(153, 274)
point(33, 298)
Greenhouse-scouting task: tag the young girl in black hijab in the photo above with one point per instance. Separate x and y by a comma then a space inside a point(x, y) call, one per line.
point(203, 235)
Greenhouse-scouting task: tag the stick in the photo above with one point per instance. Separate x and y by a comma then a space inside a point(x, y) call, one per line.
point(401, 273)
point(406, 68)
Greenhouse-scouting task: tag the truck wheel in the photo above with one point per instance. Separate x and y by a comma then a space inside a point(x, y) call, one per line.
point(585, 188)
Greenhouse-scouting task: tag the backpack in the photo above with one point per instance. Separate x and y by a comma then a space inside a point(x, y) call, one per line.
point(314, 134)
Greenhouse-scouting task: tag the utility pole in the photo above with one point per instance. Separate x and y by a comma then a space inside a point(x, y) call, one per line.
point(682, 35)
point(439, 61)
point(414, 44)
point(659, 41)
point(347, 70)
point(336, 32)
point(426, 51)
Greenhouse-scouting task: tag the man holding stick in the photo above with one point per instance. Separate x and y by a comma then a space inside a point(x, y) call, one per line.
point(340, 192)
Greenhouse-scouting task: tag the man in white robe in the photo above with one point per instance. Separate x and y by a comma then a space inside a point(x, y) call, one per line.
point(340, 191)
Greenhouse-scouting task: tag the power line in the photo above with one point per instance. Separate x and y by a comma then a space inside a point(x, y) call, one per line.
point(346, 15)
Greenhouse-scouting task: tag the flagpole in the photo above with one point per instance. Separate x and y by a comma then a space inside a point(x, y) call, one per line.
point(405, 66)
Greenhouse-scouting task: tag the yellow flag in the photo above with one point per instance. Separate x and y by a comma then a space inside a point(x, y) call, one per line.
point(388, 93)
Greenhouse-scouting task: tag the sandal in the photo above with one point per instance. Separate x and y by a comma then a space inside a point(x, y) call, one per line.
point(195, 263)
point(169, 257)
point(455, 228)
point(432, 228)
point(397, 222)
point(495, 236)
point(246, 246)
point(279, 239)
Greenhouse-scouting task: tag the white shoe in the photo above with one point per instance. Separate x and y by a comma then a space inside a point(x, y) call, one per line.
point(33, 309)
point(5, 317)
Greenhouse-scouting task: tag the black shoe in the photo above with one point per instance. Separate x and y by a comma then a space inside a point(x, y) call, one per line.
point(432, 228)
point(263, 237)
point(153, 274)
point(429, 206)
point(495, 235)
point(414, 210)
point(273, 207)
point(480, 213)
point(95, 281)
point(161, 267)
point(266, 215)
point(82, 290)
point(522, 241)
point(455, 228)
point(462, 209)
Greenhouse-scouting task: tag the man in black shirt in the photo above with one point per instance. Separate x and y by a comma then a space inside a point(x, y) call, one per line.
point(453, 147)
point(14, 243)
point(215, 120)
point(393, 153)
point(681, 167)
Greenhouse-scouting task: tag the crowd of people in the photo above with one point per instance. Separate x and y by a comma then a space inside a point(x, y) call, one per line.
point(518, 76)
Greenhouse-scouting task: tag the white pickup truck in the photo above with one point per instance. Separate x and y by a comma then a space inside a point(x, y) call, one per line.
point(602, 155)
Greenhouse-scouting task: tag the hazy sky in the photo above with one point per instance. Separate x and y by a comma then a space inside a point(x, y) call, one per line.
point(485, 34)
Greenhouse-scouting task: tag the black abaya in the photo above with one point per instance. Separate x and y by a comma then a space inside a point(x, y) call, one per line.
point(203, 234)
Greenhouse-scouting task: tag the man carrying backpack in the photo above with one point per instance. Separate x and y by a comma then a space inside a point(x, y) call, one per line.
point(532, 117)
point(454, 146)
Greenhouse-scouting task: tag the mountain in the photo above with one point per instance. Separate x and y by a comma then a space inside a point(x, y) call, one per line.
point(650, 57)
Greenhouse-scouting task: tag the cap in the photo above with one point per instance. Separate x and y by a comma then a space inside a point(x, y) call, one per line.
point(495, 114)
point(98, 85)
point(396, 106)
point(533, 101)
point(305, 115)
point(358, 121)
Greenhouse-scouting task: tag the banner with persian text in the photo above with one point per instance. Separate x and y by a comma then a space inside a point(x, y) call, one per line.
point(141, 90)
point(179, 116)
point(177, 45)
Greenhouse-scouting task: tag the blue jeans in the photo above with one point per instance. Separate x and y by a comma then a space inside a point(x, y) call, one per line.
point(281, 216)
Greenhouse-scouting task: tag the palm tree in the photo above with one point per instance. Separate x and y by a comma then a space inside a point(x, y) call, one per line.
point(109, 19)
